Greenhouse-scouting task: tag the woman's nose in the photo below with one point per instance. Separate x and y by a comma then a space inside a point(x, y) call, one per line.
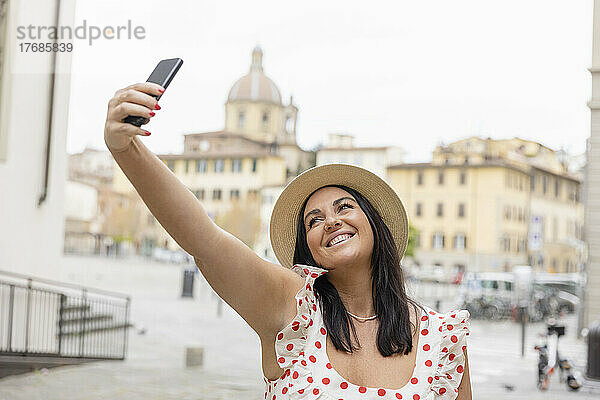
point(331, 222)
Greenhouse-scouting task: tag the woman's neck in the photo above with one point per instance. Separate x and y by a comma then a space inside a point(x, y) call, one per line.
point(355, 291)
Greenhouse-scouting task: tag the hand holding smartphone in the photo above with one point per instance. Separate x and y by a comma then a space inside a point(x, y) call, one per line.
point(163, 75)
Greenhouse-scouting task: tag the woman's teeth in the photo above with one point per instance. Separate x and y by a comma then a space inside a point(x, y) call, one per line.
point(339, 239)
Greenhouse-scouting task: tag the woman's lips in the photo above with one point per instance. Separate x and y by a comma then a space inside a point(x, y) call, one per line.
point(343, 241)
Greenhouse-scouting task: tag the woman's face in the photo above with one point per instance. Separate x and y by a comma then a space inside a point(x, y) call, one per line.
point(329, 212)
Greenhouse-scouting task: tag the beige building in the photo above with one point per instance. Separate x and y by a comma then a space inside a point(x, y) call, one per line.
point(256, 152)
point(480, 206)
point(340, 148)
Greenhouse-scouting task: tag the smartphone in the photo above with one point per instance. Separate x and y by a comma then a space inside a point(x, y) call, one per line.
point(163, 75)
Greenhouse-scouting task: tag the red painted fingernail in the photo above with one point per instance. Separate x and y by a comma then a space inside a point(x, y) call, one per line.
point(157, 107)
point(148, 133)
point(161, 90)
point(152, 114)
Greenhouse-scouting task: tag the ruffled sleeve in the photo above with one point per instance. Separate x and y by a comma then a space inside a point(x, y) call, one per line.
point(291, 340)
point(454, 328)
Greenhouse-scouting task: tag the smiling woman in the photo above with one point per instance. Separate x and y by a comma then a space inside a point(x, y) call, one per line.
point(349, 235)
point(339, 233)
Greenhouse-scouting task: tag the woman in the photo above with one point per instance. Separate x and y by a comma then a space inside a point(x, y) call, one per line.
point(339, 232)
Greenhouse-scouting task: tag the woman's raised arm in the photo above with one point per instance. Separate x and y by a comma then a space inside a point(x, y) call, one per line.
point(260, 291)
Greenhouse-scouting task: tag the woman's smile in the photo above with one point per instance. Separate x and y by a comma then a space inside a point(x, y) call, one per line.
point(342, 242)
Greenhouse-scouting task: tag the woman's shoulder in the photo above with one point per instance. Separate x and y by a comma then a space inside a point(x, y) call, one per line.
point(308, 271)
point(441, 323)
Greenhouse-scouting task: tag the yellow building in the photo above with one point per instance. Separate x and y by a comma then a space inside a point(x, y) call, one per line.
point(480, 206)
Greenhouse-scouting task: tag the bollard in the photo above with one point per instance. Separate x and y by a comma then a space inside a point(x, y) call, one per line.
point(188, 283)
point(194, 356)
point(593, 358)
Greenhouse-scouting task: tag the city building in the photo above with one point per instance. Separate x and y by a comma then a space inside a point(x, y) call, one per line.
point(340, 148)
point(487, 205)
point(34, 107)
point(93, 166)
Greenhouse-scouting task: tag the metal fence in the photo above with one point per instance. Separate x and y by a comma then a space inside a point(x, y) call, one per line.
point(40, 317)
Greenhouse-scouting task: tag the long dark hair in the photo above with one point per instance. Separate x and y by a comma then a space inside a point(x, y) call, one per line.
point(389, 296)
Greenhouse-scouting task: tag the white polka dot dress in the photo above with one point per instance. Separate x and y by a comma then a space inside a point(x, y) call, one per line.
point(308, 373)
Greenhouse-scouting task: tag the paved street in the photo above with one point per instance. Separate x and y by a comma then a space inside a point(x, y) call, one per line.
point(154, 368)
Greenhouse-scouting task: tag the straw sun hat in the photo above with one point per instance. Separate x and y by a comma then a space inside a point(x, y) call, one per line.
point(284, 218)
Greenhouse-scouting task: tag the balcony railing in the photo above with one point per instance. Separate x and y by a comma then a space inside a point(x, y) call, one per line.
point(40, 317)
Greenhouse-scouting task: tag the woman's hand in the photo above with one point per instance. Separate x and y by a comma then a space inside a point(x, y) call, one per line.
point(133, 100)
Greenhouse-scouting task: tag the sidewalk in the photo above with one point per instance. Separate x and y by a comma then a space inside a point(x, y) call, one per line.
point(154, 368)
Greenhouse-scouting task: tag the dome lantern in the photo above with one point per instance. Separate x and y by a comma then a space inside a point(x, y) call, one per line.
point(255, 86)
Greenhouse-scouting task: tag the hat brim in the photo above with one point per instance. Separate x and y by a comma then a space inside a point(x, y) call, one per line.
point(284, 218)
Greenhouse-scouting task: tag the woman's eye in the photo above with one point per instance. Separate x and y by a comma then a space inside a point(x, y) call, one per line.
point(310, 223)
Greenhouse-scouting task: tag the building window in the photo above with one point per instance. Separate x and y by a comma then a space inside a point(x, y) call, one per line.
point(254, 165)
point(417, 239)
point(505, 243)
point(289, 125)
point(219, 165)
point(201, 166)
point(419, 209)
point(460, 241)
point(187, 166)
point(437, 240)
point(440, 210)
point(265, 119)
point(521, 215)
point(556, 188)
point(521, 180)
point(441, 178)
point(521, 246)
point(217, 194)
point(463, 178)
point(171, 165)
point(241, 119)
point(545, 183)
point(236, 165)
point(252, 194)
point(420, 178)
point(532, 183)
point(461, 210)
point(234, 194)
point(507, 214)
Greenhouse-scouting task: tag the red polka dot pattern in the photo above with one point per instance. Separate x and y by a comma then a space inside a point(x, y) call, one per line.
point(308, 373)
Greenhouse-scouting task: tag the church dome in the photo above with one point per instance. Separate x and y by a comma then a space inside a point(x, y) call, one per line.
point(255, 86)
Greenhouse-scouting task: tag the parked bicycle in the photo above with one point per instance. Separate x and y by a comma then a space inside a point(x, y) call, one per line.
point(486, 308)
point(545, 304)
point(549, 360)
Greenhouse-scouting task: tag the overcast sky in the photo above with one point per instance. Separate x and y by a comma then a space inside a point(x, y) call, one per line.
point(407, 73)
